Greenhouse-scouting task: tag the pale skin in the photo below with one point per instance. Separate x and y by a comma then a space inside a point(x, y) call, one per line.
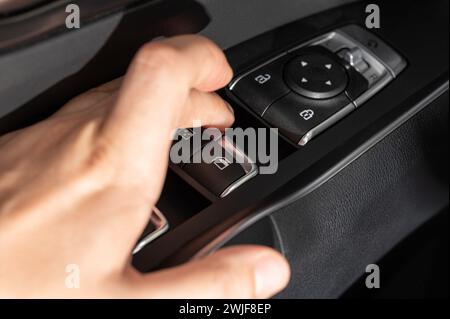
point(79, 187)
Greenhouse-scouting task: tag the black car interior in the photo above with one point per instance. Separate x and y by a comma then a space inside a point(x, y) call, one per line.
point(361, 117)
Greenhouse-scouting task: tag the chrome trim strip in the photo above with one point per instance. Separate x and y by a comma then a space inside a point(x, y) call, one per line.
point(161, 226)
point(240, 182)
point(250, 168)
point(373, 90)
point(327, 123)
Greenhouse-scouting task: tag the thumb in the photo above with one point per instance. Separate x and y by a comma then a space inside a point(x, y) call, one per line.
point(235, 272)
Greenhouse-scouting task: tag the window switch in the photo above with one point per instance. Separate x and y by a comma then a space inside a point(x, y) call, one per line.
point(224, 172)
point(189, 141)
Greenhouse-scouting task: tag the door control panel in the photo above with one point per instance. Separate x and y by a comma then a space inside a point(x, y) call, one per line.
point(310, 87)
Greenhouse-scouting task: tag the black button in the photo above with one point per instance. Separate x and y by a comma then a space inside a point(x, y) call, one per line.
point(295, 115)
point(262, 87)
point(316, 73)
point(221, 172)
point(357, 84)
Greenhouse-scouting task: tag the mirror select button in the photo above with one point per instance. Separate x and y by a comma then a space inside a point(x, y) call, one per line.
point(260, 88)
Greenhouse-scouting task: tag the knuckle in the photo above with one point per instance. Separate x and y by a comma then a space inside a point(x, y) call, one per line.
point(98, 158)
point(217, 57)
point(214, 51)
point(157, 56)
point(106, 168)
point(97, 169)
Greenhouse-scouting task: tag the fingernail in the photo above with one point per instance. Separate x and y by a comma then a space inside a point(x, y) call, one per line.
point(229, 107)
point(271, 276)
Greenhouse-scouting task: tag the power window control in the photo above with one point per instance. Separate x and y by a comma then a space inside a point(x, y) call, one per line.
point(226, 169)
point(300, 119)
point(189, 141)
point(157, 226)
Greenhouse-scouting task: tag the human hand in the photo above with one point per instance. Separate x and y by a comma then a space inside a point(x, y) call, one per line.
point(79, 187)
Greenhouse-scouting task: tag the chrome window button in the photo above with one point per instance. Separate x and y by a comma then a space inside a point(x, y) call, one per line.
point(158, 225)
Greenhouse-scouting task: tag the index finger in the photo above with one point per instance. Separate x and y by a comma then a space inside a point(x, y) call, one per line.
point(154, 92)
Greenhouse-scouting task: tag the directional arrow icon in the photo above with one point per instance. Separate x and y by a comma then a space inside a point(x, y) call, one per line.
point(304, 80)
point(328, 83)
point(304, 63)
point(328, 66)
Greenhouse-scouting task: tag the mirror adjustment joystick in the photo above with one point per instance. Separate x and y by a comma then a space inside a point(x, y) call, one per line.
point(316, 75)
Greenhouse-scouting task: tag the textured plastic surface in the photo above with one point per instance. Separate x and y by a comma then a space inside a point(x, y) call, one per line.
point(332, 234)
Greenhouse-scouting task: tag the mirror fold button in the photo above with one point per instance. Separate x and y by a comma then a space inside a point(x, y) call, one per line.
point(357, 84)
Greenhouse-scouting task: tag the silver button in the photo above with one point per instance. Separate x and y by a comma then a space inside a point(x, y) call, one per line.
point(394, 62)
point(354, 57)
